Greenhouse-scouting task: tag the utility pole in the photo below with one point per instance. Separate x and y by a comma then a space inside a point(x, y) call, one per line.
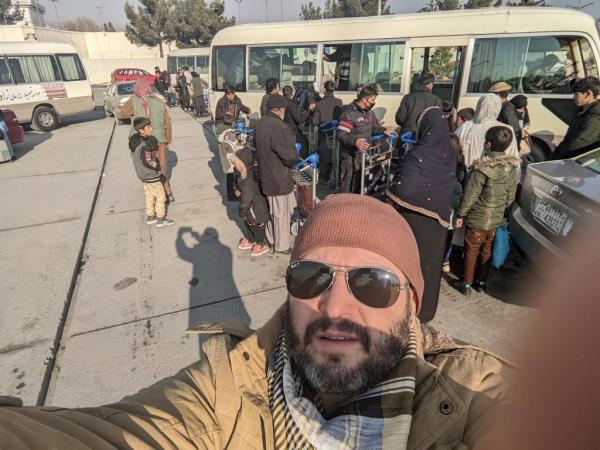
point(239, 3)
point(281, 6)
point(266, 10)
point(378, 7)
point(99, 9)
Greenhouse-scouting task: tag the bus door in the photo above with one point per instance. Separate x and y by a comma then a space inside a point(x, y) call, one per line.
point(446, 63)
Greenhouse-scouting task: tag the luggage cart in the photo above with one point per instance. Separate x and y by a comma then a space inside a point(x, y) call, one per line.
point(329, 130)
point(306, 176)
point(375, 165)
point(244, 133)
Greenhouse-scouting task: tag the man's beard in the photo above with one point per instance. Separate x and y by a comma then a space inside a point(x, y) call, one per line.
point(331, 377)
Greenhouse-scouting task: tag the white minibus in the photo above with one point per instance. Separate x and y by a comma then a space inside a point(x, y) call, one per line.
point(42, 82)
point(197, 59)
point(539, 51)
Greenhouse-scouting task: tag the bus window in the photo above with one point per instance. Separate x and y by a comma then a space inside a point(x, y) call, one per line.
point(172, 64)
point(5, 77)
point(589, 61)
point(444, 63)
point(531, 65)
point(34, 69)
point(229, 68)
point(202, 64)
point(186, 61)
point(70, 67)
point(341, 63)
point(298, 66)
point(265, 62)
point(382, 65)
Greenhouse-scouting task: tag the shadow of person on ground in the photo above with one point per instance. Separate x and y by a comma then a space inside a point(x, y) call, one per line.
point(221, 187)
point(213, 292)
point(31, 141)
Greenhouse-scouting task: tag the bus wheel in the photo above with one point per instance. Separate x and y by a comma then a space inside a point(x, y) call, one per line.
point(45, 118)
point(539, 152)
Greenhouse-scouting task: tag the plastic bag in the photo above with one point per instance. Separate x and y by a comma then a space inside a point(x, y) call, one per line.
point(501, 246)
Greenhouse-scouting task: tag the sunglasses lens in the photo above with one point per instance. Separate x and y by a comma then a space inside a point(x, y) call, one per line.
point(308, 279)
point(377, 288)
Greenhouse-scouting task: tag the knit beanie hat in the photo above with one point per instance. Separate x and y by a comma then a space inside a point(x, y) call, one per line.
point(359, 221)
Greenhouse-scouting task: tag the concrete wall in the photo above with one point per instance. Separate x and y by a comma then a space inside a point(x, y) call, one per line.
point(99, 69)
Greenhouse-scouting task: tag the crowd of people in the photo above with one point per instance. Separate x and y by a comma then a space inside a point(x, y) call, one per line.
point(453, 184)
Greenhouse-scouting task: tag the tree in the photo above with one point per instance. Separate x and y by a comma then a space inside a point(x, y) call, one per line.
point(81, 24)
point(9, 14)
point(440, 5)
point(527, 3)
point(343, 8)
point(474, 4)
point(109, 27)
point(195, 23)
point(309, 11)
point(151, 25)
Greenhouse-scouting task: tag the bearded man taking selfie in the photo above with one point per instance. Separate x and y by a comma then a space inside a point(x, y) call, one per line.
point(344, 363)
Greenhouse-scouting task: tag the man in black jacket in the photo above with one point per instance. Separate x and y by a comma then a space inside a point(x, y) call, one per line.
point(508, 113)
point(296, 117)
point(583, 134)
point(413, 104)
point(271, 87)
point(328, 108)
point(274, 142)
point(229, 108)
point(357, 125)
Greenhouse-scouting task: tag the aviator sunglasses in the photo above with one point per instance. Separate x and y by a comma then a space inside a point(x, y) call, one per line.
point(372, 286)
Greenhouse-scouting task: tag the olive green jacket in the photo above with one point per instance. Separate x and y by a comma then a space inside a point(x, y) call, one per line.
point(222, 401)
point(490, 189)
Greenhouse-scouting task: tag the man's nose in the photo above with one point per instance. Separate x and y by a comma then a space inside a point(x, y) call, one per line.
point(338, 301)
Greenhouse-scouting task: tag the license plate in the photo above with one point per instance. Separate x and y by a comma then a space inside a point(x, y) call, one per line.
point(549, 215)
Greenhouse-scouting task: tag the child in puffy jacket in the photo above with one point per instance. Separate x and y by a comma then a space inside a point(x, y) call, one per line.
point(490, 189)
point(254, 208)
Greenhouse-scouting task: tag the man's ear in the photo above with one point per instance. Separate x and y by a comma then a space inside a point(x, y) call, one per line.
point(487, 146)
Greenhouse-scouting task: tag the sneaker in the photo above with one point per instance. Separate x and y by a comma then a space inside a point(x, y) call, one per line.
point(479, 286)
point(164, 223)
point(151, 219)
point(446, 267)
point(464, 289)
point(245, 244)
point(258, 250)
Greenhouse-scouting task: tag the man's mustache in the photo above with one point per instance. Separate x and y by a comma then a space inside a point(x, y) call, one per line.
point(342, 325)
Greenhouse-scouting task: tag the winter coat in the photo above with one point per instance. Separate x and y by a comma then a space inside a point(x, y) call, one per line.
point(328, 108)
point(253, 204)
point(144, 158)
point(263, 105)
point(490, 189)
point(295, 117)
point(427, 174)
point(356, 123)
point(412, 105)
point(221, 112)
point(583, 134)
point(162, 128)
point(510, 116)
point(276, 154)
point(222, 400)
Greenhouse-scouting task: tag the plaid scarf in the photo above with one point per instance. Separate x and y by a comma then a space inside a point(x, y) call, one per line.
point(379, 418)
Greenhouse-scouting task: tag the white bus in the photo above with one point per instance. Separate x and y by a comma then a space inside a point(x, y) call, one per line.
point(42, 82)
point(197, 59)
point(539, 51)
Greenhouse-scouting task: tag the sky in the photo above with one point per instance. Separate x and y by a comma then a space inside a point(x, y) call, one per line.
point(251, 10)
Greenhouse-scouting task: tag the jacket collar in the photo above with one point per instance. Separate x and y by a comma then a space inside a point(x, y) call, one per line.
point(586, 108)
point(249, 360)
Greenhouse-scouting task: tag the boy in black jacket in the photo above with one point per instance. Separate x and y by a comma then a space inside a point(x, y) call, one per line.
point(144, 148)
point(253, 204)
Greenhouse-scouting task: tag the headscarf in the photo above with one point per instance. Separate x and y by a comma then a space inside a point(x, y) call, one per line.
point(427, 173)
point(472, 132)
point(143, 90)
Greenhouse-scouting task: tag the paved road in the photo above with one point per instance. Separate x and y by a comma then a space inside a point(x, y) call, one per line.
point(138, 287)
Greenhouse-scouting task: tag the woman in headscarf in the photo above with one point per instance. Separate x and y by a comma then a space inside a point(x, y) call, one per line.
point(422, 194)
point(143, 103)
point(472, 133)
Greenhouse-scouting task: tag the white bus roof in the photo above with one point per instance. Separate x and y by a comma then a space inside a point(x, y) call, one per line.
point(23, 48)
point(448, 23)
point(196, 51)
